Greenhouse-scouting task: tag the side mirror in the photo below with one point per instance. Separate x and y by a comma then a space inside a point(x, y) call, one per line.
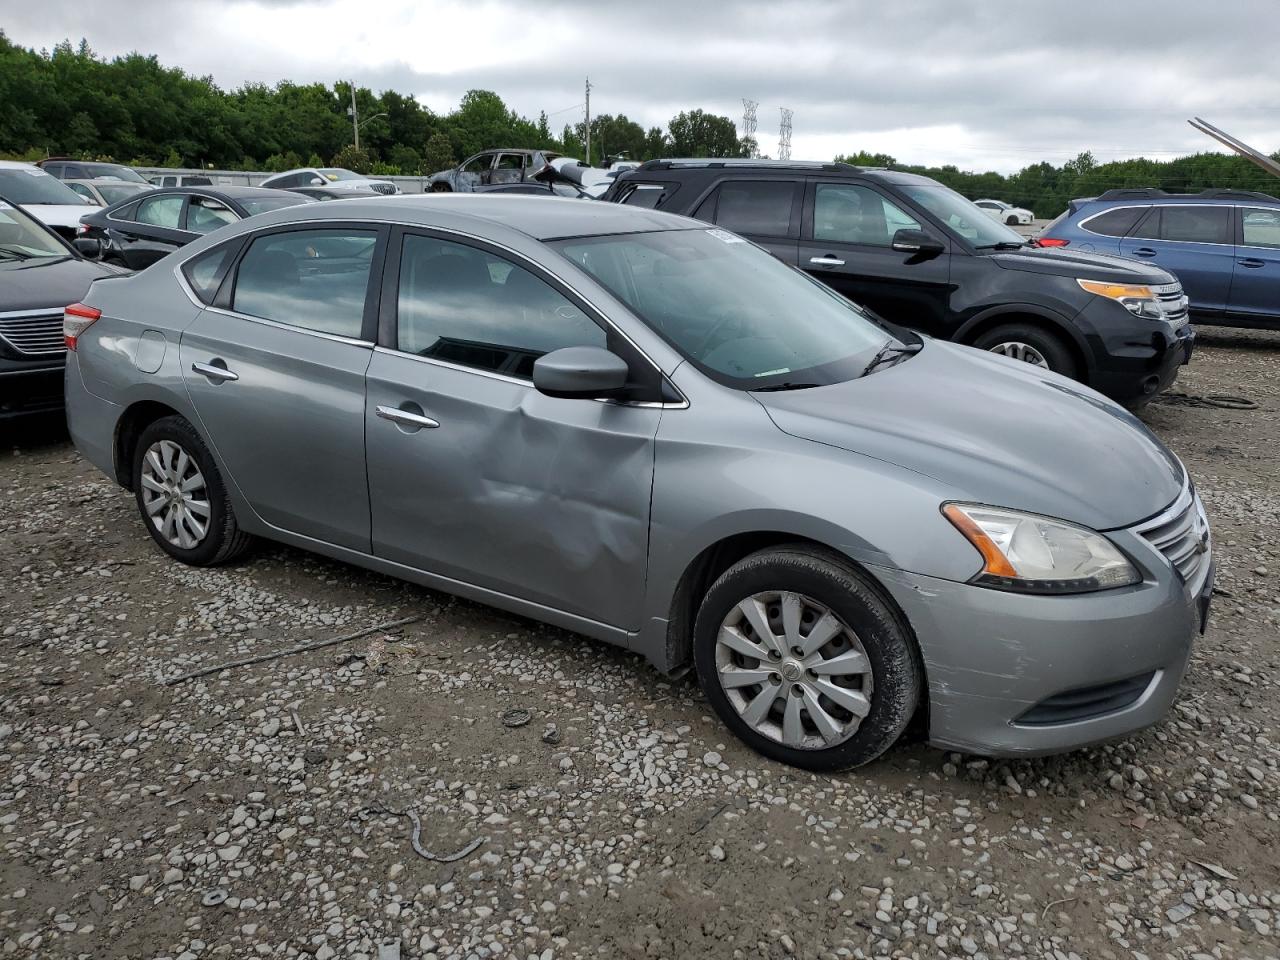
point(916, 242)
point(580, 373)
point(317, 182)
point(88, 247)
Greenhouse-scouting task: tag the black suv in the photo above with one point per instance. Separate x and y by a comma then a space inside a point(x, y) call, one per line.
point(919, 254)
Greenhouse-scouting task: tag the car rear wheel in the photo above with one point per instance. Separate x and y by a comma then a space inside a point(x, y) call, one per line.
point(805, 660)
point(1029, 344)
point(181, 496)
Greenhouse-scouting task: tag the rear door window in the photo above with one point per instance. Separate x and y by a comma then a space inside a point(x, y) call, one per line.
point(760, 207)
point(313, 279)
point(1196, 224)
point(164, 211)
point(1114, 223)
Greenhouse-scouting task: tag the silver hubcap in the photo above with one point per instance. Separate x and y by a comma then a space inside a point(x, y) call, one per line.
point(1021, 351)
point(174, 494)
point(794, 671)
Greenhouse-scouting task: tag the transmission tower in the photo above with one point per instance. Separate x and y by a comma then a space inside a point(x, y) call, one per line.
point(749, 125)
point(784, 134)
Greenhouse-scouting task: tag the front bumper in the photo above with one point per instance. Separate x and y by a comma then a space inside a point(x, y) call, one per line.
point(1000, 666)
point(30, 387)
point(1133, 360)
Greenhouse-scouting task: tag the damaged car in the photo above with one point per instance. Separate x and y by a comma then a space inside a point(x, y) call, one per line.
point(506, 165)
point(645, 429)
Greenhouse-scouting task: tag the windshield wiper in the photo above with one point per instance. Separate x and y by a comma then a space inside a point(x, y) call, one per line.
point(890, 351)
point(777, 387)
point(15, 253)
point(1002, 245)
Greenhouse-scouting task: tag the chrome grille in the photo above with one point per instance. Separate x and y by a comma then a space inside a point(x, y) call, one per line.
point(35, 334)
point(1173, 303)
point(386, 188)
point(1181, 533)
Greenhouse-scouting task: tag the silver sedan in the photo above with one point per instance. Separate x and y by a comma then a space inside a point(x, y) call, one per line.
point(655, 434)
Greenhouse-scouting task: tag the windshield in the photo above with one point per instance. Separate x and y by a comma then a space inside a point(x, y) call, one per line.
point(337, 173)
point(114, 170)
point(740, 315)
point(21, 238)
point(115, 192)
point(960, 215)
point(262, 205)
point(27, 185)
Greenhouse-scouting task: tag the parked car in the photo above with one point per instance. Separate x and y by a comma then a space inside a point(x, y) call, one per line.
point(328, 176)
point(840, 524)
point(138, 232)
point(335, 191)
point(919, 254)
point(40, 273)
point(66, 168)
point(180, 180)
point(1005, 213)
point(44, 196)
point(103, 193)
point(1224, 245)
point(506, 165)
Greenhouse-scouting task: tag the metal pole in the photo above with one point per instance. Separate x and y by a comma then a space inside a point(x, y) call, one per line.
point(588, 121)
point(355, 116)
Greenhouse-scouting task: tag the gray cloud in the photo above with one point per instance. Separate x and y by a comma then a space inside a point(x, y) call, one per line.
point(982, 85)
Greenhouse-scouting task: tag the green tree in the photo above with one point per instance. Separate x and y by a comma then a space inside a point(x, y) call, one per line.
point(353, 158)
point(695, 133)
point(438, 155)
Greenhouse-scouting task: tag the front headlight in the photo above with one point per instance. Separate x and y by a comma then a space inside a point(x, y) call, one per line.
point(1139, 299)
point(1027, 553)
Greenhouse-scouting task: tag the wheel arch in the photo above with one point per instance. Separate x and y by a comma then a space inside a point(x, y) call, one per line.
point(135, 419)
point(1035, 316)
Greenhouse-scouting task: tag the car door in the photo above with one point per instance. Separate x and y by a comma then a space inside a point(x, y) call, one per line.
point(847, 243)
point(275, 370)
point(767, 212)
point(1255, 284)
point(153, 230)
point(1194, 242)
point(476, 476)
point(475, 171)
point(507, 168)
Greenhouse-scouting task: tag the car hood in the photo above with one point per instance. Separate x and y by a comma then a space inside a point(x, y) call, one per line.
point(995, 431)
point(1059, 262)
point(51, 284)
point(59, 214)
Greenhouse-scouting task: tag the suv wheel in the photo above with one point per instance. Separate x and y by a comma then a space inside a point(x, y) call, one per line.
point(805, 661)
point(181, 496)
point(1030, 344)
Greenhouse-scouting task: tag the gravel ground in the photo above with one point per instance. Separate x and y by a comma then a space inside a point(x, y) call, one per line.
point(244, 814)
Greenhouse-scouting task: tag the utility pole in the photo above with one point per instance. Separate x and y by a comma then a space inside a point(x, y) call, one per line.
point(355, 116)
point(588, 121)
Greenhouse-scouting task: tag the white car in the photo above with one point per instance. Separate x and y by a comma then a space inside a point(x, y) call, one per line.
point(1005, 213)
point(43, 196)
point(329, 177)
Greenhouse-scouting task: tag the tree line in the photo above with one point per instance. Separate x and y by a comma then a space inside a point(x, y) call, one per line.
point(135, 110)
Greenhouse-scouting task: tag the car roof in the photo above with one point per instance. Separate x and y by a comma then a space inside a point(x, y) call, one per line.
point(15, 165)
point(717, 165)
point(1156, 195)
point(111, 181)
point(542, 218)
point(225, 189)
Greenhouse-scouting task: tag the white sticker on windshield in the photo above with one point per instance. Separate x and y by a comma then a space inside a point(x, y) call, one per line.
point(724, 236)
point(35, 172)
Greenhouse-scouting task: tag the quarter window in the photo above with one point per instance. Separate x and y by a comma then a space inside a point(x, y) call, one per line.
point(313, 279)
point(205, 214)
point(469, 307)
point(849, 213)
point(160, 212)
point(1115, 223)
point(204, 273)
point(760, 207)
point(649, 195)
point(1261, 226)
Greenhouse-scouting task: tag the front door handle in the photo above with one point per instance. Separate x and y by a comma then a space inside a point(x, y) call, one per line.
point(215, 371)
point(1144, 252)
point(827, 261)
point(406, 418)
point(1253, 262)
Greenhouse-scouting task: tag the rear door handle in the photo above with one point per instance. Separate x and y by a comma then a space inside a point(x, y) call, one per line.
point(1251, 262)
point(215, 371)
point(827, 261)
point(406, 418)
point(1144, 252)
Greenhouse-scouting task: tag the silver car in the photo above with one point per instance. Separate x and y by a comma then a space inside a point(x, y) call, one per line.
point(653, 433)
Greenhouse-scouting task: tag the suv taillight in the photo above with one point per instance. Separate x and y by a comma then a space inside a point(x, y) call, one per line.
point(76, 319)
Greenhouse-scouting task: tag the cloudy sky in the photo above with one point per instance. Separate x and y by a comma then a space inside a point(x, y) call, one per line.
point(982, 84)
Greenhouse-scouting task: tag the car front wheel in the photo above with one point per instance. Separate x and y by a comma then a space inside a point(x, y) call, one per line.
point(805, 660)
point(181, 496)
point(1030, 344)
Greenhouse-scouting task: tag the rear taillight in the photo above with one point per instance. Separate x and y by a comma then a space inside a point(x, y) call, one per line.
point(1051, 242)
point(76, 319)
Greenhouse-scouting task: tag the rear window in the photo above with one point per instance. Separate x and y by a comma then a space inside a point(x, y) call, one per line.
point(648, 195)
point(1114, 223)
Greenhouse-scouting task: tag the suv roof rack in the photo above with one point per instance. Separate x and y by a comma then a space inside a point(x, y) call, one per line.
point(714, 163)
point(1154, 193)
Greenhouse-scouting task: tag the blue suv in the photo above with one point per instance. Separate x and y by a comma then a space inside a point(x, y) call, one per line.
point(1224, 245)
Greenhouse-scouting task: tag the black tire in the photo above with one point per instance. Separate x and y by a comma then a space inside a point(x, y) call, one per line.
point(896, 670)
point(223, 540)
point(1011, 221)
point(441, 188)
point(1057, 354)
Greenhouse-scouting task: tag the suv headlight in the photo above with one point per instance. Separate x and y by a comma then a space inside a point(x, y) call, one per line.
point(1026, 553)
point(1138, 299)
